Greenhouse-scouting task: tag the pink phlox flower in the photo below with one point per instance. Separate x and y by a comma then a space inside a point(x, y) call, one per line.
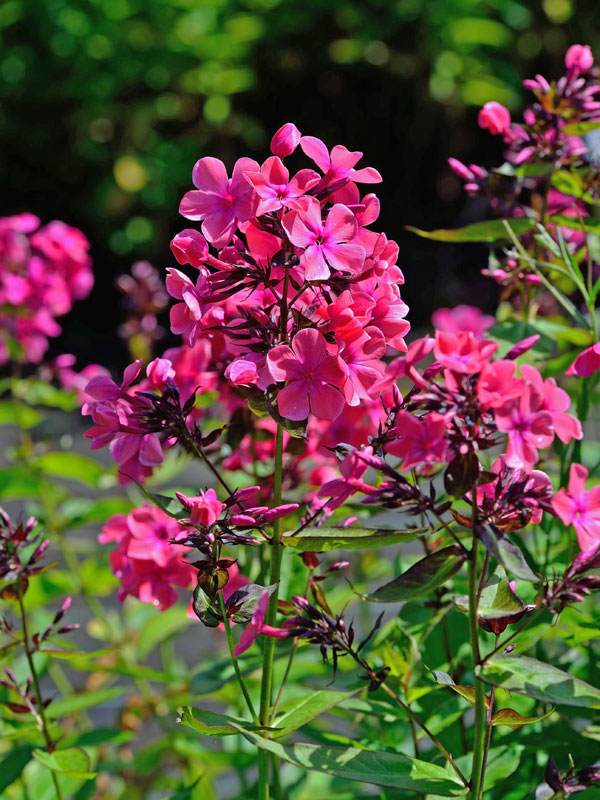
point(580, 508)
point(261, 515)
point(461, 352)
point(579, 58)
point(385, 309)
point(326, 243)
point(275, 189)
point(256, 627)
point(528, 426)
point(219, 201)
point(339, 165)
point(586, 363)
point(365, 210)
point(418, 440)
point(136, 455)
point(160, 371)
point(205, 508)
point(339, 490)
point(556, 401)
point(495, 117)
point(190, 247)
point(248, 370)
point(313, 377)
point(462, 318)
point(285, 140)
point(497, 383)
point(361, 352)
point(101, 387)
point(187, 317)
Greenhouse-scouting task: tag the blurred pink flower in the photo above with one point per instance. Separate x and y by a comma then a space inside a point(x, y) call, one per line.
point(462, 318)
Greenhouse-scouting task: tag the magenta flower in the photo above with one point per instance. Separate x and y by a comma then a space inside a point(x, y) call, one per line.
point(186, 317)
point(285, 140)
point(361, 352)
point(418, 440)
point(275, 189)
point(205, 508)
point(495, 117)
point(190, 247)
point(461, 352)
point(313, 377)
point(338, 165)
point(341, 489)
point(462, 318)
point(529, 428)
point(219, 201)
point(580, 508)
point(556, 401)
point(586, 363)
point(256, 627)
point(579, 58)
point(325, 243)
point(497, 383)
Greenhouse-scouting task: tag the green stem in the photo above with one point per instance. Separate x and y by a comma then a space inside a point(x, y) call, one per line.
point(480, 727)
point(234, 660)
point(41, 716)
point(270, 619)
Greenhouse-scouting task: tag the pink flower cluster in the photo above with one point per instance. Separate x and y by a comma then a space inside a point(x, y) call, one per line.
point(43, 270)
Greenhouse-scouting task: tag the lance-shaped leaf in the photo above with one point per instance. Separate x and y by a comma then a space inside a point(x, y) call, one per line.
point(580, 128)
point(205, 608)
point(422, 578)
point(497, 600)
point(490, 231)
point(468, 692)
point(506, 553)
point(321, 540)
point(208, 723)
point(512, 718)
point(368, 766)
point(540, 681)
point(307, 708)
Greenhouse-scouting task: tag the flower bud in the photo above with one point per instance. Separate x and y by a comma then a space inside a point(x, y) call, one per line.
point(579, 58)
point(190, 247)
point(495, 117)
point(286, 140)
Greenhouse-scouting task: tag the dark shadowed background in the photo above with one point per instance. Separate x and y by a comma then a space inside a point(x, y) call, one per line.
point(105, 105)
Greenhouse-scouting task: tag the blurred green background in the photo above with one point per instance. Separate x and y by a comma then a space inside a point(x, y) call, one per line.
point(105, 105)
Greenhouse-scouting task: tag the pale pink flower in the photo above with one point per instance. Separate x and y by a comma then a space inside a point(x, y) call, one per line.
point(497, 383)
point(326, 243)
point(219, 201)
point(339, 490)
point(580, 508)
point(361, 352)
point(528, 426)
point(556, 401)
point(186, 317)
point(313, 377)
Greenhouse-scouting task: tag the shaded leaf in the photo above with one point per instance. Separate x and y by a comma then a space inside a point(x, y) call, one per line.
point(497, 600)
point(306, 708)
point(321, 540)
point(540, 681)
point(208, 723)
point(461, 474)
point(245, 600)
point(490, 231)
point(506, 553)
point(73, 761)
point(13, 765)
point(424, 576)
point(468, 692)
point(72, 466)
point(79, 702)
point(580, 128)
point(355, 764)
point(512, 718)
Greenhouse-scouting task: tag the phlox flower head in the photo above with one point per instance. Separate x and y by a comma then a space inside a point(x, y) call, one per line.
point(495, 117)
point(418, 440)
point(581, 508)
point(462, 318)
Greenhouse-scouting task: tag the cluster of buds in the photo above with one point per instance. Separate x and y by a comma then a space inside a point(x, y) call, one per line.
point(559, 786)
point(575, 584)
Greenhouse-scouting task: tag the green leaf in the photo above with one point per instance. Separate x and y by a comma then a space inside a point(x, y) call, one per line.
point(208, 723)
point(80, 510)
point(38, 392)
point(12, 413)
point(13, 765)
point(507, 554)
point(306, 708)
point(161, 626)
point(502, 762)
point(18, 482)
point(72, 466)
point(468, 692)
point(490, 231)
point(422, 578)
point(580, 128)
point(512, 718)
point(321, 540)
point(497, 600)
point(353, 764)
point(79, 702)
point(73, 761)
point(539, 681)
point(245, 599)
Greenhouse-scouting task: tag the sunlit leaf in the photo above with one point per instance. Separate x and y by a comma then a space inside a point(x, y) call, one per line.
point(423, 577)
point(490, 231)
point(320, 540)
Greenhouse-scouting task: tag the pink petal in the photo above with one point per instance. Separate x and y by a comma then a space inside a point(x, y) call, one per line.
point(366, 175)
point(326, 402)
point(345, 257)
point(310, 348)
point(293, 400)
point(151, 452)
point(210, 175)
point(197, 205)
point(316, 150)
point(315, 266)
point(341, 225)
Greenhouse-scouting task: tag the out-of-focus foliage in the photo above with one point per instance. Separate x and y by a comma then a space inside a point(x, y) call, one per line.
point(104, 104)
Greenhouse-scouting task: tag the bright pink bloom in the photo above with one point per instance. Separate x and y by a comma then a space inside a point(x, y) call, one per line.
point(580, 508)
point(361, 352)
point(418, 440)
point(186, 317)
point(339, 490)
point(324, 244)
point(190, 247)
point(159, 372)
point(340, 164)
point(285, 140)
point(579, 57)
point(313, 377)
point(497, 383)
point(219, 201)
point(462, 318)
point(528, 426)
point(205, 508)
point(586, 363)
point(274, 187)
point(256, 627)
point(495, 117)
point(556, 401)
point(148, 566)
point(461, 352)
